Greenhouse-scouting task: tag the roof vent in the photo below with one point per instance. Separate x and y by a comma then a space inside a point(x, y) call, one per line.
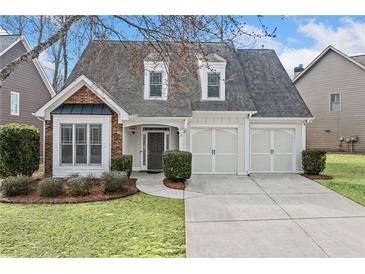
point(298, 70)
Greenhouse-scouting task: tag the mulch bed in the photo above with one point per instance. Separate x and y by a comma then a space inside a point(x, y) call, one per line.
point(96, 194)
point(317, 177)
point(173, 184)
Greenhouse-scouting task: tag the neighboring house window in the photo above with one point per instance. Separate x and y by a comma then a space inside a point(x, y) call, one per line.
point(335, 102)
point(85, 140)
point(155, 81)
point(14, 103)
point(213, 85)
point(212, 74)
point(155, 84)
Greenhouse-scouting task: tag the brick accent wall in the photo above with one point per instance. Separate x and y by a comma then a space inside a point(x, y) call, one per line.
point(82, 96)
point(48, 148)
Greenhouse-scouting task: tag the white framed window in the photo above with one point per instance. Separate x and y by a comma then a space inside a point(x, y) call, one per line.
point(335, 102)
point(213, 85)
point(81, 144)
point(155, 84)
point(155, 81)
point(14, 103)
point(212, 76)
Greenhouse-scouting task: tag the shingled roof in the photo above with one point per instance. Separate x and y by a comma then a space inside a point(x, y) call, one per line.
point(250, 75)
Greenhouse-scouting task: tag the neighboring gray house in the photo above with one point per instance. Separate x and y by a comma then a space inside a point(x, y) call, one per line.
point(237, 111)
point(26, 89)
point(333, 87)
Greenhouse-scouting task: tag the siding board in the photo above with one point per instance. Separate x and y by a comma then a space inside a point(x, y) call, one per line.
point(334, 74)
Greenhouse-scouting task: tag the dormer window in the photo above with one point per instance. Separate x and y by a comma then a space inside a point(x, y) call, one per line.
point(155, 80)
point(213, 85)
point(155, 84)
point(212, 73)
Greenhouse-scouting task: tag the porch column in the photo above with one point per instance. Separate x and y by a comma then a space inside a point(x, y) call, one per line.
point(182, 139)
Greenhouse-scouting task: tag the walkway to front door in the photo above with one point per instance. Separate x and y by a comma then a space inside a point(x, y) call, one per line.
point(270, 216)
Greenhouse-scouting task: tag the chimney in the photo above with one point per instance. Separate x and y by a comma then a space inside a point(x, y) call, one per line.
point(298, 70)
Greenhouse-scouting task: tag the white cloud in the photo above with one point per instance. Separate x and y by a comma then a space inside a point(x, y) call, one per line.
point(348, 37)
point(3, 32)
point(46, 64)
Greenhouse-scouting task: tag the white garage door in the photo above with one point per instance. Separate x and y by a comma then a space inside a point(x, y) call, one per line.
point(214, 150)
point(272, 150)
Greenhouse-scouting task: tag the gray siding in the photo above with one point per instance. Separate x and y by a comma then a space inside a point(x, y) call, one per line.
point(33, 92)
point(334, 74)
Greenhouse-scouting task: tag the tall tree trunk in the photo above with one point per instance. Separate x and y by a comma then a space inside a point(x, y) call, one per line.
point(34, 53)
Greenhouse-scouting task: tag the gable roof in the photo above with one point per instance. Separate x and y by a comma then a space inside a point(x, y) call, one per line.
point(63, 95)
point(322, 54)
point(271, 88)
point(255, 81)
point(9, 41)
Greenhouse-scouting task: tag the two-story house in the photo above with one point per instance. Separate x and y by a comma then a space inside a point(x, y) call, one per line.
point(236, 110)
point(26, 89)
point(333, 87)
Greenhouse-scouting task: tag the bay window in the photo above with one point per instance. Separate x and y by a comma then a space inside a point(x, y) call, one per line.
point(81, 144)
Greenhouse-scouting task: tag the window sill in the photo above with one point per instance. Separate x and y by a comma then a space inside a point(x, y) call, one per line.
point(156, 98)
point(213, 99)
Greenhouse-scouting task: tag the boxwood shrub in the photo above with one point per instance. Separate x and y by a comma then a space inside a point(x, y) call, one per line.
point(313, 161)
point(123, 163)
point(79, 186)
point(16, 185)
point(113, 181)
point(50, 187)
point(19, 149)
point(177, 165)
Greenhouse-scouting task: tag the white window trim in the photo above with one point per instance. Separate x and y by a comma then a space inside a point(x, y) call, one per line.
point(329, 106)
point(66, 170)
point(152, 66)
point(17, 94)
point(208, 67)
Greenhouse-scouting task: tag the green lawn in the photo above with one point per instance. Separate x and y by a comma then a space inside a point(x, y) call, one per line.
point(348, 172)
point(137, 226)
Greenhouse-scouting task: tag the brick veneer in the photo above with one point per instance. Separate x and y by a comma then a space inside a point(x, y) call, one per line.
point(82, 96)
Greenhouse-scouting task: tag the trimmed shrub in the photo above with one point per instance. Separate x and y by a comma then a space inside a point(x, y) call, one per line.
point(177, 165)
point(50, 187)
point(123, 163)
point(113, 181)
point(19, 149)
point(14, 186)
point(79, 186)
point(313, 161)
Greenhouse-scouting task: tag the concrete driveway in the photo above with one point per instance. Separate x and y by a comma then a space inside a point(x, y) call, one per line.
point(270, 216)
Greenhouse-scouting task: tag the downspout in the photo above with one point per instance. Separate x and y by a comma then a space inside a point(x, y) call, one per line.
point(249, 142)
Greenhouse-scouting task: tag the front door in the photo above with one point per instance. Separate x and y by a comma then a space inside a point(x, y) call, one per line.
point(155, 150)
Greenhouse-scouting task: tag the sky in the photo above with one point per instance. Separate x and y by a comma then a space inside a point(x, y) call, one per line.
point(299, 39)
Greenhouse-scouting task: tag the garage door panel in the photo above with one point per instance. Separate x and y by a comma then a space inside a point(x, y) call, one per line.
point(272, 150)
point(225, 141)
point(260, 141)
point(202, 141)
point(225, 164)
point(202, 163)
point(283, 141)
point(214, 150)
point(260, 163)
point(283, 163)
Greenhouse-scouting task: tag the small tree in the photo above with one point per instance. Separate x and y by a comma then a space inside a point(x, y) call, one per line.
point(19, 149)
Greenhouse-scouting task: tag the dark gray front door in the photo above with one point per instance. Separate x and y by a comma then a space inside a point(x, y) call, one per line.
point(155, 150)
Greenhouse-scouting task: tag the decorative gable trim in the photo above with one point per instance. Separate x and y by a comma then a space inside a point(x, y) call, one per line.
point(321, 55)
point(61, 97)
